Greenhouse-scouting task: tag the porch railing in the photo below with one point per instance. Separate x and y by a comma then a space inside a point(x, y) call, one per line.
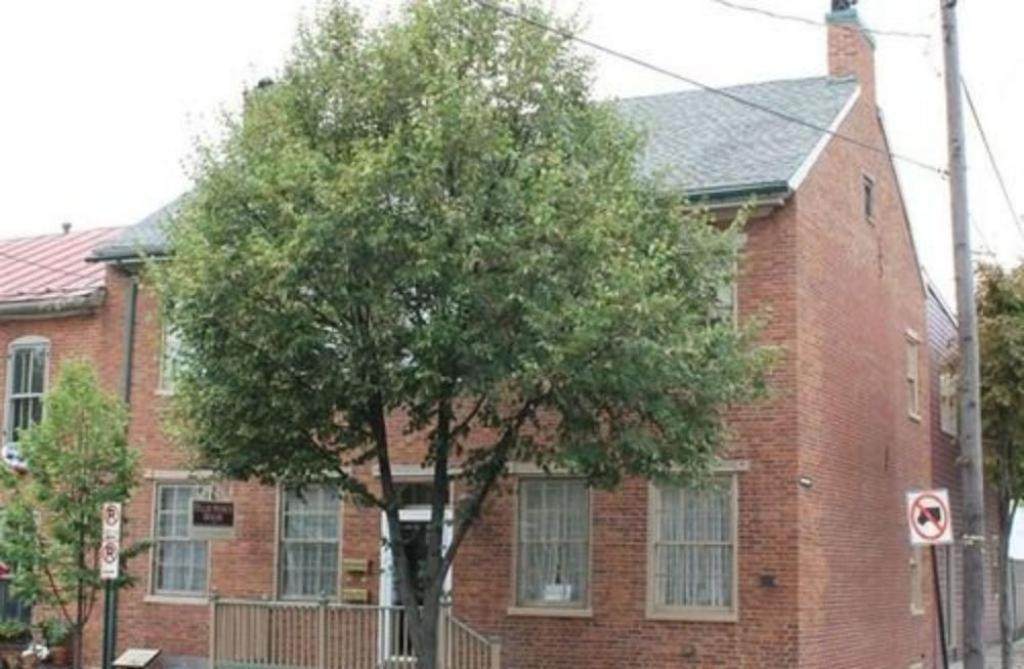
point(246, 634)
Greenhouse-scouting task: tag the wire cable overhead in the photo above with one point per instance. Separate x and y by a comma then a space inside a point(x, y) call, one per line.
point(706, 87)
point(813, 22)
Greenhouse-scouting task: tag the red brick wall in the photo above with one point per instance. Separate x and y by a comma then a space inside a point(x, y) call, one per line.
point(859, 293)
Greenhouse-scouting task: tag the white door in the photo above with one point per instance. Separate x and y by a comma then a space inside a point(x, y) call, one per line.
point(413, 520)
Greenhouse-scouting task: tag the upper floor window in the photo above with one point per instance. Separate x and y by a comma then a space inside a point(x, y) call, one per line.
point(948, 403)
point(170, 358)
point(553, 558)
point(869, 199)
point(724, 309)
point(913, 376)
point(309, 542)
point(26, 385)
point(692, 544)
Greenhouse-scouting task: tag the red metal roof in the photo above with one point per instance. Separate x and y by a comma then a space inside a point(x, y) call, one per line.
point(34, 268)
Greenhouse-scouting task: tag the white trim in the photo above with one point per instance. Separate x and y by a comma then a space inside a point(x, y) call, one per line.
point(801, 173)
point(413, 472)
point(531, 469)
point(175, 475)
point(198, 600)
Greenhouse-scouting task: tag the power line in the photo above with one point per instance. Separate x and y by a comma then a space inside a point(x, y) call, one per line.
point(49, 268)
point(813, 22)
point(706, 87)
point(1014, 212)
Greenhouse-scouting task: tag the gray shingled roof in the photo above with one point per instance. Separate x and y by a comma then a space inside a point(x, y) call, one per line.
point(147, 237)
point(707, 144)
point(701, 142)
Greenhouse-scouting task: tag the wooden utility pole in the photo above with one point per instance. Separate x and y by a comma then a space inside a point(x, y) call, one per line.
point(973, 537)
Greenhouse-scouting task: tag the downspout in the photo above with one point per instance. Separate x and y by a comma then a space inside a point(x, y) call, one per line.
point(110, 594)
point(129, 340)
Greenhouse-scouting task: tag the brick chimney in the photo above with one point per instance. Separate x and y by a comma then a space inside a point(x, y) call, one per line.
point(851, 50)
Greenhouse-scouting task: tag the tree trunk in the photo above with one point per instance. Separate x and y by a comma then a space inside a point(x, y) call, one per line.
point(426, 658)
point(77, 660)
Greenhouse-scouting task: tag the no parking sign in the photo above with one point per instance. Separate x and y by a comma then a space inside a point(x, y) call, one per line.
point(931, 522)
point(110, 548)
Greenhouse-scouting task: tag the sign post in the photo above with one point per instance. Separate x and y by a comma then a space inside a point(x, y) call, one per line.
point(931, 524)
point(110, 570)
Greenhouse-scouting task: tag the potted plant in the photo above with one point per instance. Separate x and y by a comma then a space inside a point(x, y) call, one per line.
point(13, 635)
point(56, 631)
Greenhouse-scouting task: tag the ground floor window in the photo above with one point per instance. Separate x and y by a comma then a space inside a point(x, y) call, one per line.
point(692, 542)
point(180, 563)
point(553, 559)
point(309, 542)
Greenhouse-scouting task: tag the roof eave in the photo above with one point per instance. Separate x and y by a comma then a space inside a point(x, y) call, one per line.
point(127, 255)
point(53, 306)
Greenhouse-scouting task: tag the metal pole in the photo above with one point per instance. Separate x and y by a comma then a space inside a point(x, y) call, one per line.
point(109, 623)
point(970, 405)
point(940, 609)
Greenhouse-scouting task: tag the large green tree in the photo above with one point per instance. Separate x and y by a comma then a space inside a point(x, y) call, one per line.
point(433, 220)
point(78, 458)
point(1001, 339)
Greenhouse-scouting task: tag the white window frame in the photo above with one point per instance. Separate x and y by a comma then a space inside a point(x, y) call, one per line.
point(728, 614)
point(948, 403)
point(912, 375)
point(580, 609)
point(27, 342)
point(158, 593)
point(170, 359)
point(280, 544)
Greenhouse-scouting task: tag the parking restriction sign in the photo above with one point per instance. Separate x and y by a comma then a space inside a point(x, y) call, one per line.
point(110, 547)
point(928, 515)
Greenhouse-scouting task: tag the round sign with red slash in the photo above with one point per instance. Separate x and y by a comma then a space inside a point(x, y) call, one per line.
point(929, 517)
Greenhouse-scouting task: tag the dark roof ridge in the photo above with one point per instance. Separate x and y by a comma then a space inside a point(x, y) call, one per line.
point(846, 78)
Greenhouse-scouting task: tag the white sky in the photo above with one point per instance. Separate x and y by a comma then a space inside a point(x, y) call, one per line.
point(102, 101)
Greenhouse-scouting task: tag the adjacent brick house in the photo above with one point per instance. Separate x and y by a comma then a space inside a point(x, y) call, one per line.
point(52, 306)
point(801, 559)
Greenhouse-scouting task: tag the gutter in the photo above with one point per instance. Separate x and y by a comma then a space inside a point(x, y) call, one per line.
point(129, 340)
point(53, 307)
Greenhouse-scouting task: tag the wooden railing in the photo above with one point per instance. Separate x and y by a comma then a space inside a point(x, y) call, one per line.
point(246, 634)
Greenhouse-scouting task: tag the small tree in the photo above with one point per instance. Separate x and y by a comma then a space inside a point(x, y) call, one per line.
point(433, 221)
point(78, 458)
point(1001, 336)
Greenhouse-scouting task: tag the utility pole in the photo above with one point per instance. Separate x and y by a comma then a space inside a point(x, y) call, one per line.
point(973, 537)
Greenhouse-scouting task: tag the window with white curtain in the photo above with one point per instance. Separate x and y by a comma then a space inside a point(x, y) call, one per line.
point(553, 560)
point(180, 562)
point(309, 542)
point(692, 539)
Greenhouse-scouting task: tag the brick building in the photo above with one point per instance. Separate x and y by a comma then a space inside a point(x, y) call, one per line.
point(800, 558)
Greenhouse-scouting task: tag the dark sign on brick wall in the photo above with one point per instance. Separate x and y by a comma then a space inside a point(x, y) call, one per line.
point(213, 520)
